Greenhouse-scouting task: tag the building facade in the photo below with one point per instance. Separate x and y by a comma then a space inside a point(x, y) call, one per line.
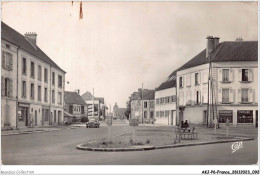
point(96, 104)
point(165, 102)
point(118, 113)
point(39, 83)
point(75, 104)
point(142, 105)
point(225, 76)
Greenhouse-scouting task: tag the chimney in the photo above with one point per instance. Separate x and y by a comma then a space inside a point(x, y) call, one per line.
point(239, 39)
point(216, 42)
point(78, 91)
point(212, 43)
point(31, 37)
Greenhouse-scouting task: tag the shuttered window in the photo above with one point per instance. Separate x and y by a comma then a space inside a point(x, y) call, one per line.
point(7, 87)
point(225, 95)
point(7, 61)
point(40, 73)
point(24, 89)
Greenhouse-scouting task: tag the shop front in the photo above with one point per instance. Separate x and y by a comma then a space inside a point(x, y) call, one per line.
point(224, 115)
point(23, 114)
point(244, 116)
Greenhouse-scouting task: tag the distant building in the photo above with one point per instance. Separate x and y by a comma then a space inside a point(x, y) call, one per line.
point(142, 105)
point(75, 104)
point(32, 84)
point(165, 102)
point(119, 113)
point(99, 107)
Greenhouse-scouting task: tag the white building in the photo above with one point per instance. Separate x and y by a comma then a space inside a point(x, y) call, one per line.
point(165, 102)
point(37, 86)
point(233, 89)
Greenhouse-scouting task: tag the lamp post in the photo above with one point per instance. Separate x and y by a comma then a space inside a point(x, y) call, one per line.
point(142, 104)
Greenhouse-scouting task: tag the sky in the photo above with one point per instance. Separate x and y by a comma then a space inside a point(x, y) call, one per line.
point(117, 46)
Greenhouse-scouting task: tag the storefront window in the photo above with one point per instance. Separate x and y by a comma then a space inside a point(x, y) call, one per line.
point(224, 115)
point(244, 116)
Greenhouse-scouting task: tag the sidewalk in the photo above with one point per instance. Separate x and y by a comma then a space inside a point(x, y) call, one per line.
point(38, 129)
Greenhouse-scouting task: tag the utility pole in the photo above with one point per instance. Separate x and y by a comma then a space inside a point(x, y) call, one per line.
point(93, 104)
point(142, 104)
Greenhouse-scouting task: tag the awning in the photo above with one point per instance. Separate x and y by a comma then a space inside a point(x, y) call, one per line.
point(67, 114)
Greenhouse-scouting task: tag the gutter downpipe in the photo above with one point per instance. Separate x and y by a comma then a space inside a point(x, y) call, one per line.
point(50, 117)
point(17, 89)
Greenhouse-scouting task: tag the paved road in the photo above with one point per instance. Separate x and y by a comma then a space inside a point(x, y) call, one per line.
point(59, 148)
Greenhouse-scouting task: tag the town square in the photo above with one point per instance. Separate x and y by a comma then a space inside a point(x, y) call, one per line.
point(130, 83)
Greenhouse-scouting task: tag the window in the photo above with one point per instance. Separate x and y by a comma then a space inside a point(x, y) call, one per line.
point(24, 89)
point(53, 78)
point(45, 94)
point(59, 98)
point(245, 74)
point(197, 79)
point(32, 91)
point(7, 87)
point(244, 116)
point(145, 114)
point(157, 113)
point(162, 100)
point(197, 97)
point(40, 73)
point(145, 104)
point(60, 81)
point(225, 95)
point(173, 98)
point(53, 96)
point(7, 61)
point(224, 115)
point(39, 93)
point(180, 82)
point(225, 75)
point(244, 96)
point(32, 69)
point(167, 99)
point(157, 101)
point(161, 113)
point(45, 75)
point(24, 68)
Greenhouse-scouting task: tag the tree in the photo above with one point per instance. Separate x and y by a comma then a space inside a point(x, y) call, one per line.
point(128, 108)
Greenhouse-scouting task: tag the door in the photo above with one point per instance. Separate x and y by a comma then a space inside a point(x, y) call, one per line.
point(35, 124)
point(171, 117)
point(59, 117)
point(55, 116)
point(256, 118)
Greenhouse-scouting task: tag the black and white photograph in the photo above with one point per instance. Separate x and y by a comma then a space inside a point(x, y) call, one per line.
point(122, 86)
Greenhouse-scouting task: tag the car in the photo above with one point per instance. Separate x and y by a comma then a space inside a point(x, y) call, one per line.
point(92, 123)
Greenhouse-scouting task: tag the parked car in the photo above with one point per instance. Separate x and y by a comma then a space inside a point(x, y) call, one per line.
point(92, 123)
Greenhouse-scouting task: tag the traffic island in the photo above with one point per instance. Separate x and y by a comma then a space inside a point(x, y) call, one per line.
point(150, 138)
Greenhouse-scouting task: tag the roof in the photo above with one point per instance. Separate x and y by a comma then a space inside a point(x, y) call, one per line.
point(88, 96)
point(147, 95)
point(14, 37)
point(73, 98)
point(227, 51)
point(169, 83)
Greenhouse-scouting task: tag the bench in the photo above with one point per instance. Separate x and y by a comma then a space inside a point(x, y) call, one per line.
point(182, 133)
